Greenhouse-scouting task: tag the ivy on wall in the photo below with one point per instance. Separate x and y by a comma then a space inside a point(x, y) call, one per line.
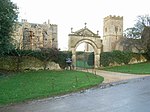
point(120, 57)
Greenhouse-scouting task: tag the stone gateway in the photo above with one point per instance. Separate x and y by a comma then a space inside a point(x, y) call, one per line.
point(85, 35)
point(112, 36)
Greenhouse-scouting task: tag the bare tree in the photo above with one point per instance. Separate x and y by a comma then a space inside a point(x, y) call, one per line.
point(139, 35)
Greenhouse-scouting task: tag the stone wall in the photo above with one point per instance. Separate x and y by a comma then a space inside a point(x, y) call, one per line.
point(138, 60)
point(134, 60)
point(26, 63)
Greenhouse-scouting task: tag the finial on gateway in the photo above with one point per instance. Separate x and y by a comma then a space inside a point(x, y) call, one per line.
point(71, 30)
point(85, 24)
point(97, 32)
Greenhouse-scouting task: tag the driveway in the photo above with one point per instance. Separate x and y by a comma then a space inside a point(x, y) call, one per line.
point(132, 96)
point(110, 77)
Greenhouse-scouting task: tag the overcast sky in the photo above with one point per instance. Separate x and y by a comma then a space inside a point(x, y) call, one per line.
point(74, 13)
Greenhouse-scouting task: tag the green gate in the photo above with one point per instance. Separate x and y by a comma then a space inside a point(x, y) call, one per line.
point(84, 60)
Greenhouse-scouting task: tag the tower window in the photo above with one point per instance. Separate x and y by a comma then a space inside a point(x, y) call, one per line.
point(120, 29)
point(105, 29)
point(116, 29)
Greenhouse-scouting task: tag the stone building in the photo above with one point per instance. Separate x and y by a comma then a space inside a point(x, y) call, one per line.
point(35, 36)
point(112, 33)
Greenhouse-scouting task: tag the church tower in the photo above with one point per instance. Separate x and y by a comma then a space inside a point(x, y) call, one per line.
point(112, 33)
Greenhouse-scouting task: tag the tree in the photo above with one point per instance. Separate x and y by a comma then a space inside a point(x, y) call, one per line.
point(139, 35)
point(145, 37)
point(48, 54)
point(8, 19)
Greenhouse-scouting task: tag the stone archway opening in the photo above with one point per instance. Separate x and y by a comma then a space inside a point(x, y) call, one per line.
point(97, 52)
point(84, 56)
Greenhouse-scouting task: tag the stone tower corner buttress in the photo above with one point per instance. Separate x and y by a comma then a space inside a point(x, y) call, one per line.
point(112, 32)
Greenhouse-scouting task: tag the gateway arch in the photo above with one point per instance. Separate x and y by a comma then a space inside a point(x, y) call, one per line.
point(85, 35)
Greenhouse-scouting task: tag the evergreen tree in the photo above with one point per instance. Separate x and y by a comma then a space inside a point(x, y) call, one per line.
point(8, 19)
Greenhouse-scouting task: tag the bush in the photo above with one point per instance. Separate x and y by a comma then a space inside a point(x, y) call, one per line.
point(106, 58)
point(116, 56)
point(62, 58)
point(148, 54)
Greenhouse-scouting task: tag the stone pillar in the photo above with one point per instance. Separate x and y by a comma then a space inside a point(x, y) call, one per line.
point(97, 58)
point(73, 58)
point(96, 65)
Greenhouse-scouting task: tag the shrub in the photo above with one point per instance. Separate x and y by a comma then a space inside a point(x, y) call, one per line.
point(148, 54)
point(62, 58)
point(116, 56)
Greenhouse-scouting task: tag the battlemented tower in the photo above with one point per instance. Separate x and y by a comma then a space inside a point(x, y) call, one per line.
point(112, 33)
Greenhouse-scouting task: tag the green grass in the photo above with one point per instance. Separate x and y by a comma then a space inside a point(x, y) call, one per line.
point(140, 68)
point(40, 84)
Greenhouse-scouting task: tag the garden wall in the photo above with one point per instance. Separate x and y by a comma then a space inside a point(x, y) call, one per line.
point(26, 63)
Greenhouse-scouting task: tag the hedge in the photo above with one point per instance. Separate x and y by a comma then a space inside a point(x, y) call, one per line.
point(116, 56)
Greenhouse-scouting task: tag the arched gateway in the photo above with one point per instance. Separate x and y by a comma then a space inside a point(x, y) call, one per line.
point(85, 35)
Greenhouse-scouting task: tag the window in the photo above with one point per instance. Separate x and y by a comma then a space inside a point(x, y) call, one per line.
point(105, 29)
point(120, 29)
point(116, 29)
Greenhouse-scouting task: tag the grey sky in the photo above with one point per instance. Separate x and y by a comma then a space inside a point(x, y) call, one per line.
point(74, 13)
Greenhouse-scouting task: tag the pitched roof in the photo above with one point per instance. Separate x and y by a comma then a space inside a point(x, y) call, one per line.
point(84, 32)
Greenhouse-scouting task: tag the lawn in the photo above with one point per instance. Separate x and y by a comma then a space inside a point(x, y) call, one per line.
point(40, 84)
point(140, 68)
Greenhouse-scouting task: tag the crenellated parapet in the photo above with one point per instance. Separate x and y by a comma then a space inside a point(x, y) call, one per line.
point(113, 17)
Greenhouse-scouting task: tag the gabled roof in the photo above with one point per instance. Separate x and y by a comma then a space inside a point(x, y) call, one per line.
point(84, 32)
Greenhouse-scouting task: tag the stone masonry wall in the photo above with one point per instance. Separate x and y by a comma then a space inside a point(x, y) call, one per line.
point(26, 63)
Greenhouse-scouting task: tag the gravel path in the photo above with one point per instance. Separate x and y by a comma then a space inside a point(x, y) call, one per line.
point(110, 77)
